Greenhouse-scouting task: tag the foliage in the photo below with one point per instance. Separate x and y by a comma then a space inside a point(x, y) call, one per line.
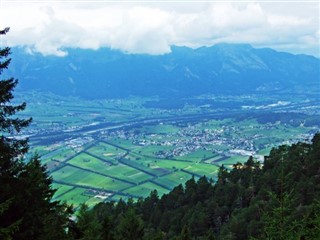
point(26, 207)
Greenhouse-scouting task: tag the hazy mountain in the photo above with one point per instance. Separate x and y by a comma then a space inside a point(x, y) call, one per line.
point(223, 68)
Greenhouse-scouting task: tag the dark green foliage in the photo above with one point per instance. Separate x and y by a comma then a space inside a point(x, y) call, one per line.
point(185, 234)
point(26, 207)
point(278, 199)
point(130, 226)
point(88, 225)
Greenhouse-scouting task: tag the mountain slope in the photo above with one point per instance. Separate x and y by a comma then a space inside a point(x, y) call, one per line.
point(279, 199)
point(223, 68)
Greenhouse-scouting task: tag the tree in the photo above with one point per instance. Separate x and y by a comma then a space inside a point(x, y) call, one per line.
point(130, 226)
point(26, 207)
point(89, 227)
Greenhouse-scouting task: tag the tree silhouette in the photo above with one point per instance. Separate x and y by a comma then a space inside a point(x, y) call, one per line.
point(26, 207)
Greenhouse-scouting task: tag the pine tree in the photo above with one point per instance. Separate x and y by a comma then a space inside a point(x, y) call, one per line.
point(130, 226)
point(89, 227)
point(26, 207)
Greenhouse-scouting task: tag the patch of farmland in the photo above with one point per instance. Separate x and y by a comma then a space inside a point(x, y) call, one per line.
point(198, 155)
point(174, 179)
point(79, 177)
point(79, 195)
point(170, 164)
point(106, 151)
point(61, 188)
point(60, 154)
point(144, 190)
point(127, 172)
point(201, 169)
point(89, 162)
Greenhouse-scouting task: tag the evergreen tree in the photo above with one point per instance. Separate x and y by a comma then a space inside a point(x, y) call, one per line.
point(130, 226)
point(88, 225)
point(26, 207)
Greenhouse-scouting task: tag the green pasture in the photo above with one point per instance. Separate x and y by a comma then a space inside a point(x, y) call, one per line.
point(213, 158)
point(215, 124)
point(61, 188)
point(125, 143)
point(78, 196)
point(89, 162)
point(151, 150)
point(128, 173)
point(170, 164)
point(197, 155)
point(174, 179)
point(141, 166)
point(80, 177)
point(208, 170)
point(60, 154)
point(106, 151)
point(144, 190)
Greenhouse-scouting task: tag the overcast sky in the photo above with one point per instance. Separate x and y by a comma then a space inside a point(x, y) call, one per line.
point(50, 27)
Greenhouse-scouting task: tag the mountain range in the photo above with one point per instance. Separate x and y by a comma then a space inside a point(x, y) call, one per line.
point(219, 69)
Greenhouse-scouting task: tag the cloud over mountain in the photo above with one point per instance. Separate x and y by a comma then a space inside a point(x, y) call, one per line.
point(152, 28)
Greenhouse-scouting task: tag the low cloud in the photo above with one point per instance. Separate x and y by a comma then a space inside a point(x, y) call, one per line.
point(51, 28)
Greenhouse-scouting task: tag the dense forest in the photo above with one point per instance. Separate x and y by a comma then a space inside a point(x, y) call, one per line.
point(279, 199)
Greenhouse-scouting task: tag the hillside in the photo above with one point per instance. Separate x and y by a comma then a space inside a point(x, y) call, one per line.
point(222, 68)
point(276, 200)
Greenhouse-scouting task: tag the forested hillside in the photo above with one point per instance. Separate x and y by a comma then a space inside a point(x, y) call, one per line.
point(279, 199)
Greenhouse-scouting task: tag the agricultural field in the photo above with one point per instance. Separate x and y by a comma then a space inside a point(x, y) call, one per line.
point(119, 149)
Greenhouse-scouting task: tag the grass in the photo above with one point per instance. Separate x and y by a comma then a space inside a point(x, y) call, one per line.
point(151, 150)
point(61, 188)
point(174, 179)
point(198, 155)
point(76, 196)
point(80, 195)
point(80, 177)
point(106, 151)
point(89, 162)
point(170, 164)
point(127, 172)
point(208, 170)
point(144, 190)
point(60, 154)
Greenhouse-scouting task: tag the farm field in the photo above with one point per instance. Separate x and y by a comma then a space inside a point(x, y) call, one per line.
point(106, 150)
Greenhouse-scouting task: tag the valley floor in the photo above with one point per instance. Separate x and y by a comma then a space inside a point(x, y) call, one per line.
point(125, 148)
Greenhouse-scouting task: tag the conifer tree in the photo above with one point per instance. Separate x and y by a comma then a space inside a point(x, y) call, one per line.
point(26, 207)
point(130, 226)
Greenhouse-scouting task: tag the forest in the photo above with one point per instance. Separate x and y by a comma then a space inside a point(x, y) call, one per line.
point(278, 199)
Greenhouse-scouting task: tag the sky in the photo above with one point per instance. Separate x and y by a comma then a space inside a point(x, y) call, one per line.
point(151, 27)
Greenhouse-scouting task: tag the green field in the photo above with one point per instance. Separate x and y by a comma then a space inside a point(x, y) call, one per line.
point(145, 189)
point(72, 175)
point(124, 149)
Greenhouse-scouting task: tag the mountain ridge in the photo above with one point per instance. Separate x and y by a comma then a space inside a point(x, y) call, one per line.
point(222, 68)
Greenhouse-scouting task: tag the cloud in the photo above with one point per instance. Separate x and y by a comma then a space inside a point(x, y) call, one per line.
point(51, 28)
